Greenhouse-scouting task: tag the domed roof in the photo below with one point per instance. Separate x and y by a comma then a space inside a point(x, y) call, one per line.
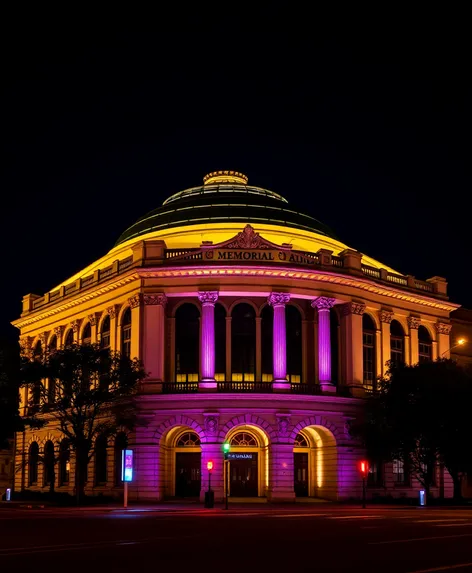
point(225, 196)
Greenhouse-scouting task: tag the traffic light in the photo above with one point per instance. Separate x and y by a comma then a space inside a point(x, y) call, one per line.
point(209, 466)
point(364, 467)
point(226, 447)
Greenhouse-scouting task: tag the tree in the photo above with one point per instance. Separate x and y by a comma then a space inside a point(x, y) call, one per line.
point(420, 414)
point(87, 391)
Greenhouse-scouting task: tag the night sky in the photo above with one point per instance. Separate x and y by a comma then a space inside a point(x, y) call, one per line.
point(367, 131)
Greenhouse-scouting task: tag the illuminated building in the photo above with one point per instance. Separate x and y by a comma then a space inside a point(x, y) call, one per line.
point(258, 327)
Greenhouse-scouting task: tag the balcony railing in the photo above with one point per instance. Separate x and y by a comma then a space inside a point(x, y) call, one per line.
point(179, 387)
point(301, 388)
point(244, 387)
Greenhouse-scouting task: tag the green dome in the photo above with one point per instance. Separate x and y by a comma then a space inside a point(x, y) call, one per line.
point(224, 197)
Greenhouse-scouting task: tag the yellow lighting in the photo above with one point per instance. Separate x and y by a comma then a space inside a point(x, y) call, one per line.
point(225, 177)
point(461, 341)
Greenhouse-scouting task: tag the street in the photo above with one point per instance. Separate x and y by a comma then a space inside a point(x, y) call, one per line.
point(315, 537)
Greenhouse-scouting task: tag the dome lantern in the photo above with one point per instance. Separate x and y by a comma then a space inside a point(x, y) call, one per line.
point(217, 177)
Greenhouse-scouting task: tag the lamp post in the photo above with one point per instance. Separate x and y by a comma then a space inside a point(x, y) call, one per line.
point(460, 342)
point(226, 448)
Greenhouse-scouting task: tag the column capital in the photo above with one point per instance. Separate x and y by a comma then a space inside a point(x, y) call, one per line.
point(443, 327)
point(208, 297)
point(278, 298)
point(353, 308)
point(386, 316)
point(323, 303)
point(112, 311)
point(58, 331)
point(158, 299)
point(413, 322)
point(92, 319)
point(75, 324)
point(135, 300)
point(43, 337)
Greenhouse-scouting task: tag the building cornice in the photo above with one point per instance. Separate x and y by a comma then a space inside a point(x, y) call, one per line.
point(73, 302)
point(290, 273)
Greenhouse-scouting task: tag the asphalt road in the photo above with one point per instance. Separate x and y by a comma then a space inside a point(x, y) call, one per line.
point(243, 539)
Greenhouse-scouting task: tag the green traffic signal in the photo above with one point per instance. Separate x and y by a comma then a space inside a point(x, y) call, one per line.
point(226, 447)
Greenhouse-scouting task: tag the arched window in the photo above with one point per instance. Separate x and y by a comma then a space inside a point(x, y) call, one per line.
point(64, 462)
point(267, 333)
point(101, 460)
point(335, 334)
point(220, 343)
point(301, 441)
point(105, 333)
point(188, 439)
point(397, 343)
point(243, 343)
point(87, 334)
point(425, 345)
point(368, 351)
point(33, 459)
point(48, 463)
point(121, 443)
point(187, 343)
point(69, 340)
point(243, 439)
point(51, 381)
point(126, 333)
point(293, 327)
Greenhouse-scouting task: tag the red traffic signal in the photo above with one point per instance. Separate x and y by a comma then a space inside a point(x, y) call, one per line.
point(364, 468)
point(209, 466)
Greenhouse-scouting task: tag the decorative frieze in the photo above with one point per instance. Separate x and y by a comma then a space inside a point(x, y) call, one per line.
point(443, 327)
point(278, 298)
point(353, 308)
point(155, 299)
point(208, 297)
point(413, 322)
point(386, 316)
point(323, 303)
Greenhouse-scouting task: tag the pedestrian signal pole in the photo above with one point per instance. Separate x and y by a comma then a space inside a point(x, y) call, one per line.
point(364, 468)
point(226, 448)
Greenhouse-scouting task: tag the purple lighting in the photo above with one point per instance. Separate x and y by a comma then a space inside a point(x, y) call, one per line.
point(208, 300)
point(324, 305)
point(278, 300)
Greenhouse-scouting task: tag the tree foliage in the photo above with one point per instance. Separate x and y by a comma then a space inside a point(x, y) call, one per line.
point(85, 391)
point(420, 414)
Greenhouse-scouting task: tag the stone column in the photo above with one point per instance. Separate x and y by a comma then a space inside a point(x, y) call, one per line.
point(413, 325)
point(93, 319)
point(154, 336)
point(278, 300)
point(406, 350)
point(75, 325)
point(378, 352)
point(59, 332)
point(228, 349)
point(304, 378)
point(112, 312)
point(385, 317)
point(136, 303)
point(207, 344)
point(443, 330)
point(258, 349)
point(324, 305)
point(352, 315)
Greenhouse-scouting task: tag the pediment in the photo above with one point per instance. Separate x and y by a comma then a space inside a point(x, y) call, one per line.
point(247, 239)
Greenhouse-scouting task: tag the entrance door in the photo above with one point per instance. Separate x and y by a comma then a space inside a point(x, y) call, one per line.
point(300, 474)
point(187, 474)
point(244, 475)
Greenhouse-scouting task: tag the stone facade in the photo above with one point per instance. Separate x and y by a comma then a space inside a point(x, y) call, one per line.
point(232, 299)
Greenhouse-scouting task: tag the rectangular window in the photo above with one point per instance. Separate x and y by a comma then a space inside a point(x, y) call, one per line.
point(126, 341)
point(396, 350)
point(375, 477)
point(400, 473)
point(368, 355)
point(425, 352)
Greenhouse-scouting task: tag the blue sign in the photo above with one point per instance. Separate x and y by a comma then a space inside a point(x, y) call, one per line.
point(127, 465)
point(241, 456)
point(422, 497)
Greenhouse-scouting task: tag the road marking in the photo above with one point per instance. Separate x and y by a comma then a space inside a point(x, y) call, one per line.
point(437, 520)
point(443, 568)
point(300, 515)
point(412, 539)
point(358, 517)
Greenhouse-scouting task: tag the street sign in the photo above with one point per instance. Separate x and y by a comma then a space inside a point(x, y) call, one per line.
point(127, 465)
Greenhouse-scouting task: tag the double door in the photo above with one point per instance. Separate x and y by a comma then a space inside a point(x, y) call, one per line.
point(300, 474)
point(244, 477)
point(187, 474)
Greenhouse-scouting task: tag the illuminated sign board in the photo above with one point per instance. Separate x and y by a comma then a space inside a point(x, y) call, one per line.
point(259, 255)
point(242, 456)
point(127, 465)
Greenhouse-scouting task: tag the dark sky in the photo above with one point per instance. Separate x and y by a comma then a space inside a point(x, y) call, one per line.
point(369, 131)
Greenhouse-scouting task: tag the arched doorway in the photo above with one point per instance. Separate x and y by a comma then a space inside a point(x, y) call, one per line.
point(315, 463)
point(187, 464)
point(248, 461)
